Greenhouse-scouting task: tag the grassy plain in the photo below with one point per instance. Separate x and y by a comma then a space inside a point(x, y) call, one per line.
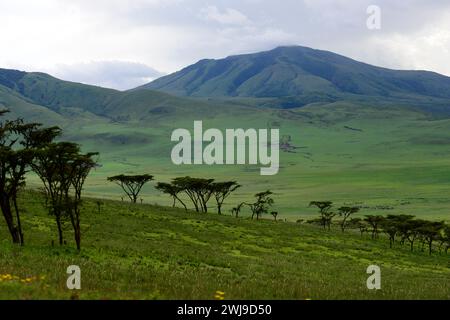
point(152, 252)
point(391, 160)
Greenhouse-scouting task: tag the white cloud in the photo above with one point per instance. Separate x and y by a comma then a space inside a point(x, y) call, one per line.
point(228, 16)
point(120, 75)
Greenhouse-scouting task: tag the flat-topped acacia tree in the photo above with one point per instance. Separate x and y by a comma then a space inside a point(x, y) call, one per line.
point(262, 204)
point(326, 215)
point(345, 213)
point(223, 190)
point(171, 190)
point(18, 144)
point(131, 184)
point(198, 190)
point(63, 169)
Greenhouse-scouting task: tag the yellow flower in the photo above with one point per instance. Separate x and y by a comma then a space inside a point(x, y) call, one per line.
point(220, 295)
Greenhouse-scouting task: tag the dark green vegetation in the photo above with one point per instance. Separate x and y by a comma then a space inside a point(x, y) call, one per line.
point(143, 251)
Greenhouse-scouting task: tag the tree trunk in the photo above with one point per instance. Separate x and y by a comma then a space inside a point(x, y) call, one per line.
point(219, 208)
point(184, 205)
point(77, 232)
point(7, 213)
point(19, 224)
point(60, 231)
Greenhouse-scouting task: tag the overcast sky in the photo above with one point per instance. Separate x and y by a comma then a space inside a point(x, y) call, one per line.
point(122, 44)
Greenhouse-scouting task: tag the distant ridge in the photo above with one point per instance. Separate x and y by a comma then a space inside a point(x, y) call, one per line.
point(297, 71)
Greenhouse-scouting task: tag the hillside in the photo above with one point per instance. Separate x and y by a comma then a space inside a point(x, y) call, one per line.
point(150, 252)
point(306, 75)
point(69, 99)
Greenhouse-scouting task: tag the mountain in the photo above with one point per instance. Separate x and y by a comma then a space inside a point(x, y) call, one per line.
point(305, 74)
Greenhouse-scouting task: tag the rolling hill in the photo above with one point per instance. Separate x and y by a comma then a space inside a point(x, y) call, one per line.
point(304, 75)
point(69, 98)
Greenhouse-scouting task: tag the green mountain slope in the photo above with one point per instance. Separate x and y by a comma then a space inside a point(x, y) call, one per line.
point(21, 107)
point(64, 97)
point(301, 72)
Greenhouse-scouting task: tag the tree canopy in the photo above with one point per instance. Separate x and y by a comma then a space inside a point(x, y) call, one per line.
point(131, 184)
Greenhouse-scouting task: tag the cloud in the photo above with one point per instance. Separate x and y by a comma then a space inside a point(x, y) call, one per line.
point(228, 16)
point(120, 75)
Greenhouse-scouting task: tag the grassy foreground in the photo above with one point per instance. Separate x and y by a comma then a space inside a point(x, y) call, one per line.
point(151, 252)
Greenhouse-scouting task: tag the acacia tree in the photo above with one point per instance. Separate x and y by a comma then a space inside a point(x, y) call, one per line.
point(18, 141)
point(392, 226)
point(431, 231)
point(198, 190)
point(131, 184)
point(171, 190)
point(50, 164)
point(237, 210)
point(409, 231)
point(203, 188)
point(374, 222)
point(358, 223)
point(63, 171)
point(326, 215)
point(274, 214)
point(345, 213)
point(184, 184)
point(78, 170)
point(262, 204)
point(223, 190)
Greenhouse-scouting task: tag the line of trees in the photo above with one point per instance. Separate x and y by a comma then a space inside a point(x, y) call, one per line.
point(197, 191)
point(400, 229)
point(61, 167)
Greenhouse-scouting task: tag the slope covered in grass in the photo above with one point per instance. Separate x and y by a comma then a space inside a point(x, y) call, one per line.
point(300, 72)
point(152, 252)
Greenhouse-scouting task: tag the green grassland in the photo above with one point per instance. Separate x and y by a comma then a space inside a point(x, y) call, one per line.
point(152, 252)
point(389, 160)
point(386, 158)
